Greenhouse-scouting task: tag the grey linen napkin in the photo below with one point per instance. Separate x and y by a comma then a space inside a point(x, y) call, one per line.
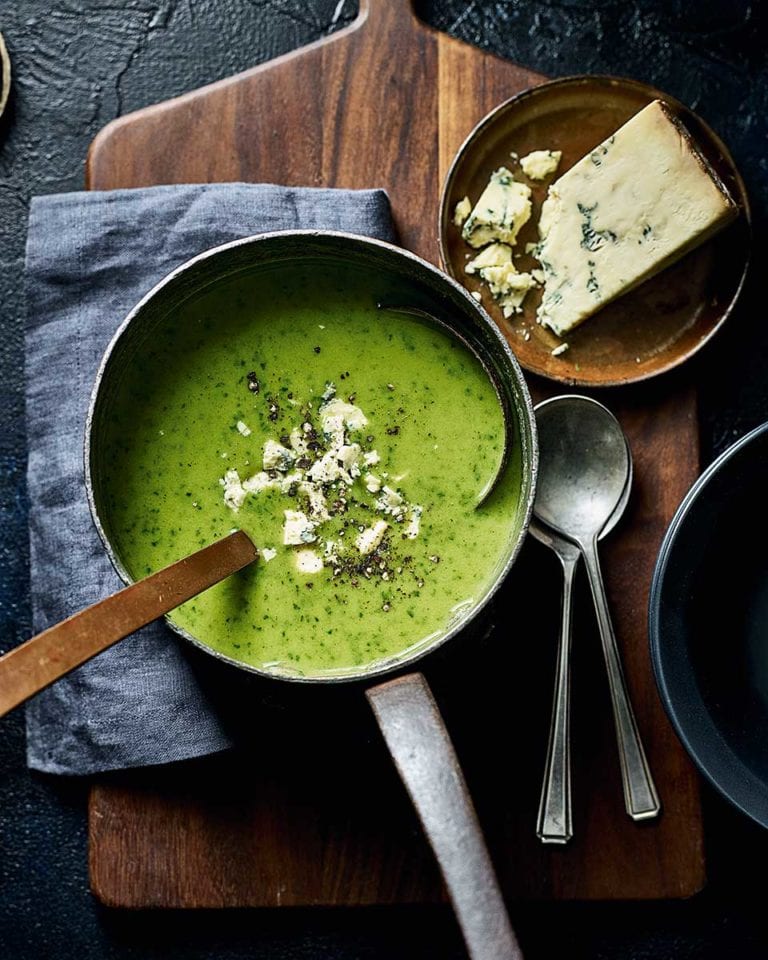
point(90, 258)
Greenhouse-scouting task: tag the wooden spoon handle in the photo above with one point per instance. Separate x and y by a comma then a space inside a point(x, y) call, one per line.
point(35, 664)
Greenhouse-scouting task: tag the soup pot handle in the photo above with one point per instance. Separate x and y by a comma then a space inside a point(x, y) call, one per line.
point(425, 758)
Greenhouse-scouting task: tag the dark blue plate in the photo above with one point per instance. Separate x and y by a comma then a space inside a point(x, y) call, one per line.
point(708, 622)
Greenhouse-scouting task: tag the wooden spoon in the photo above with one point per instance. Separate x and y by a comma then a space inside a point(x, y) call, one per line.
point(37, 663)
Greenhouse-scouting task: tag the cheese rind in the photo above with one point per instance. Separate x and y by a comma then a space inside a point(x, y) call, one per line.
point(632, 206)
point(503, 209)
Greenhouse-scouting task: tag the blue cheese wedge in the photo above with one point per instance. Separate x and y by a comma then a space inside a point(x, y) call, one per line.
point(540, 164)
point(509, 288)
point(634, 205)
point(503, 209)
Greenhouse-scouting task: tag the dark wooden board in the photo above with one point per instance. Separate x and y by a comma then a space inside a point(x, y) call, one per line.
point(387, 102)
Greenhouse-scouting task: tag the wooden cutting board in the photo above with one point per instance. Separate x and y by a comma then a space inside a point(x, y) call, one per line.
point(308, 817)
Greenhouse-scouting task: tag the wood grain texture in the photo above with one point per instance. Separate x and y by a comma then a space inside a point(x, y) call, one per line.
point(387, 102)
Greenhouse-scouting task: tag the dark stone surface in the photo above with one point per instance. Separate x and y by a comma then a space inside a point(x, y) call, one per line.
point(78, 63)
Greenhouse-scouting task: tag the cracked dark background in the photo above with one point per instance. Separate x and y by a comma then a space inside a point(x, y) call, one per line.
point(78, 64)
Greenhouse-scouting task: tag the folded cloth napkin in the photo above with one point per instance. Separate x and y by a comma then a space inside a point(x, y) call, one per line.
point(90, 258)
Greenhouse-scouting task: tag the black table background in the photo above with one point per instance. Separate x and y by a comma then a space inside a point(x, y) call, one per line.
point(78, 64)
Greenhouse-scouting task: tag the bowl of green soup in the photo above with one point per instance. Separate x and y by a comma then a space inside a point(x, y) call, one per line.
point(262, 387)
point(279, 385)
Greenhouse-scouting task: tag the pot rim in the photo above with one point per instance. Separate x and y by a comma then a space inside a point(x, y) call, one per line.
point(524, 413)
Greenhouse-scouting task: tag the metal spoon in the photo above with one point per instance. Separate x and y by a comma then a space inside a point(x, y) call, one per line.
point(584, 466)
point(554, 823)
point(492, 374)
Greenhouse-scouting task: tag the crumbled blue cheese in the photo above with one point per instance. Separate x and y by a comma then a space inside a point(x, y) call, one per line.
point(299, 441)
point(462, 211)
point(268, 553)
point(503, 209)
point(331, 551)
point(351, 416)
point(258, 482)
point(234, 494)
point(297, 529)
point(348, 456)
point(414, 523)
point(243, 428)
point(508, 287)
point(392, 503)
point(541, 163)
point(318, 474)
point(277, 457)
point(330, 468)
point(370, 538)
point(307, 561)
point(635, 204)
point(494, 255)
point(318, 505)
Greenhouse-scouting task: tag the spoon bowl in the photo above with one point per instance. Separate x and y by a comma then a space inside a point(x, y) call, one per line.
point(584, 467)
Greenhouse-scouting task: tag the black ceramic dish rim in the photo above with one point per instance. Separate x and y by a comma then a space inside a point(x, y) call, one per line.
point(5, 75)
point(682, 700)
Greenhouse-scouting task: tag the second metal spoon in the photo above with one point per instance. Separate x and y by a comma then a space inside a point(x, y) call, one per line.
point(555, 822)
point(584, 466)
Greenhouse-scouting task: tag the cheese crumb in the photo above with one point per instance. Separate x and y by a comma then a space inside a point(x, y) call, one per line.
point(414, 523)
point(541, 163)
point(276, 456)
point(307, 561)
point(297, 529)
point(350, 415)
point(268, 554)
point(462, 211)
point(234, 494)
point(244, 428)
point(561, 349)
point(371, 537)
point(318, 505)
point(503, 209)
point(508, 287)
point(258, 482)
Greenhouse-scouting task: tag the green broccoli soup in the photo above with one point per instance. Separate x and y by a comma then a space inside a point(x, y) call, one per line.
point(350, 443)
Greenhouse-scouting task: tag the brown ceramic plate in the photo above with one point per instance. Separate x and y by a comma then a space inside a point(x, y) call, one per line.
point(650, 329)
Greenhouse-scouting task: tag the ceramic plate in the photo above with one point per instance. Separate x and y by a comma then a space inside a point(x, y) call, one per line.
point(708, 621)
point(654, 327)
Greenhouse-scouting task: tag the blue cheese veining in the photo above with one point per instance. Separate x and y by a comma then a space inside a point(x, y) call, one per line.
point(634, 205)
point(503, 209)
